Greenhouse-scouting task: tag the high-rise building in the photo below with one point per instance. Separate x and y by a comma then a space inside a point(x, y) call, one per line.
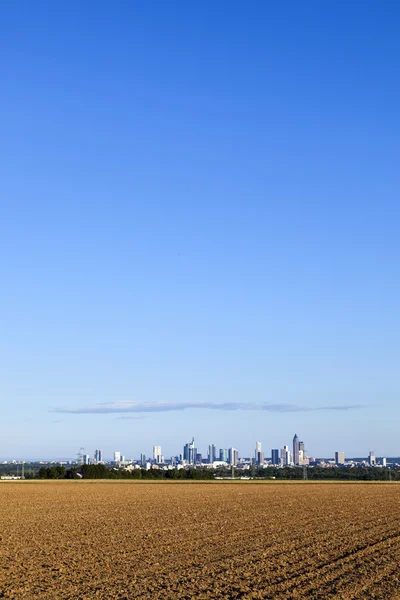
point(117, 457)
point(339, 458)
point(258, 449)
point(233, 456)
point(96, 456)
point(100, 456)
point(86, 459)
point(371, 459)
point(212, 453)
point(143, 459)
point(189, 452)
point(260, 458)
point(296, 448)
point(275, 456)
point(223, 454)
point(383, 462)
point(286, 458)
point(157, 453)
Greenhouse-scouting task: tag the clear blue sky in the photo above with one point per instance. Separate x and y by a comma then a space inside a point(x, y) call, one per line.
point(199, 205)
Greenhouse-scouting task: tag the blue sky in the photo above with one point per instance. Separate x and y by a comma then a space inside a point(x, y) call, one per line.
point(199, 224)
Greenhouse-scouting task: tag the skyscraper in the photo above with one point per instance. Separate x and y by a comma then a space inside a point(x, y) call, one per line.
point(339, 458)
point(157, 453)
point(258, 449)
point(296, 449)
point(223, 454)
point(275, 456)
point(189, 452)
point(100, 456)
point(260, 458)
point(117, 457)
point(286, 458)
point(212, 453)
point(233, 456)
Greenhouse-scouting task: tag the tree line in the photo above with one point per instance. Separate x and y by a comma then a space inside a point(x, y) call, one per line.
point(314, 473)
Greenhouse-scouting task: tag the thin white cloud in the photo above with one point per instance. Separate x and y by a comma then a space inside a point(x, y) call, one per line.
point(156, 407)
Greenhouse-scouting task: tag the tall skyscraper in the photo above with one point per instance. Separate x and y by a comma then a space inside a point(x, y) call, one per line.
point(296, 448)
point(142, 459)
point(339, 458)
point(212, 453)
point(275, 457)
point(223, 454)
point(117, 457)
point(260, 458)
point(286, 458)
point(190, 452)
point(233, 456)
point(157, 453)
point(371, 459)
point(100, 456)
point(258, 449)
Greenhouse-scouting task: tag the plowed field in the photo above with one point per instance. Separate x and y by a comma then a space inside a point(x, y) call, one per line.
point(81, 540)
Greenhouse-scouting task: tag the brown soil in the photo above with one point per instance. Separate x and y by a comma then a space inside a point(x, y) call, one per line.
point(83, 540)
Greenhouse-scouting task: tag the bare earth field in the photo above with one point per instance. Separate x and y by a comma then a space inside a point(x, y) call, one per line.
point(81, 540)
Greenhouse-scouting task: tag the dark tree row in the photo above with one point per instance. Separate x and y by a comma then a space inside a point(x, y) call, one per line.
point(314, 473)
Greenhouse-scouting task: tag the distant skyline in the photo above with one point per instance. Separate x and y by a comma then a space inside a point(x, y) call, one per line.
point(199, 226)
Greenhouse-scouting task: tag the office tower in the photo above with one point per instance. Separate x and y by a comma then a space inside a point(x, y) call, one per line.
point(86, 459)
point(260, 458)
point(233, 456)
point(371, 459)
point(142, 459)
point(275, 457)
point(100, 456)
point(157, 453)
point(339, 458)
point(296, 449)
point(258, 449)
point(383, 462)
point(189, 452)
point(117, 457)
point(186, 452)
point(223, 454)
point(122, 458)
point(96, 456)
point(212, 453)
point(285, 456)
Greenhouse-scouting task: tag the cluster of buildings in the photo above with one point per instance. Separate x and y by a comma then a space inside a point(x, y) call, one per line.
point(293, 456)
point(219, 457)
point(287, 456)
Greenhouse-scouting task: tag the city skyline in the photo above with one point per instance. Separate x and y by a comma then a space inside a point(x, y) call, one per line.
point(294, 454)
